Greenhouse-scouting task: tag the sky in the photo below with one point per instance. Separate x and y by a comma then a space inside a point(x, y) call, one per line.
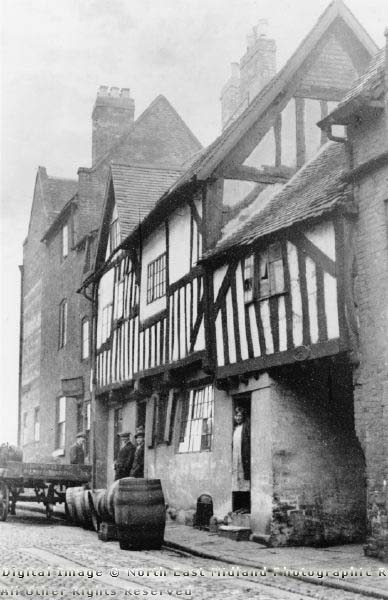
point(55, 55)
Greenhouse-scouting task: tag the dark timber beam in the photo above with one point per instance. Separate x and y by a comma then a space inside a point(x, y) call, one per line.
point(245, 173)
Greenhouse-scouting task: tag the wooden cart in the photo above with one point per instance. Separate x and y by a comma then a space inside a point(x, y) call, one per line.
point(37, 482)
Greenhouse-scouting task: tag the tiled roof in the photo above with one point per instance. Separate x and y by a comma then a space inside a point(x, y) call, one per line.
point(137, 189)
point(369, 86)
point(209, 159)
point(313, 191)
point(61, 191)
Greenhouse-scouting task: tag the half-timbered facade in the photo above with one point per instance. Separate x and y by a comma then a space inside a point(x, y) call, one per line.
point(228, 285)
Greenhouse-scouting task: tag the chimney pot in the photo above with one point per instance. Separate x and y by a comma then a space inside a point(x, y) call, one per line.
point(114, 92)
point(125, 93)
point(103, 90)
point(262, 27)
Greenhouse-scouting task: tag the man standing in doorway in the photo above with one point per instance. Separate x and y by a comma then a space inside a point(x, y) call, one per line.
point(138, 461)
point(123, 463)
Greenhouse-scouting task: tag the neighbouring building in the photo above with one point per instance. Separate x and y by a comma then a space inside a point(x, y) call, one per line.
point(230, 293)
point(58, 253)
point(364, 113)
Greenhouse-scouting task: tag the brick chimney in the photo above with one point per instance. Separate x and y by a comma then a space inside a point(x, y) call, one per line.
point(256, 68)
point(258, 65)
point(113, 115)
point(230, 95)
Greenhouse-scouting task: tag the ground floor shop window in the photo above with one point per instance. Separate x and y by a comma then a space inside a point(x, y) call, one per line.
point(196, 430)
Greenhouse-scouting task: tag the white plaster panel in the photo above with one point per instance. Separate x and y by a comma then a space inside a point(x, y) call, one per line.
point(219, 341)
point(231, 338)
point(154, 246)
point(265, 318)
point(312, 131)
point(198, 205)
point(218, 278)
point(188, 310)
point(179, 243)
point(296, 297)
point(323, 236)
point(254, 331)
point(264, 153)
point(331, 306)
point(200, 342)
point(311, 281)
point(282, 324)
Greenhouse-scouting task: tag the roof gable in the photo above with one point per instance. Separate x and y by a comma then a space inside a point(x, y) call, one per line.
point(134, 190)
point(336, 20)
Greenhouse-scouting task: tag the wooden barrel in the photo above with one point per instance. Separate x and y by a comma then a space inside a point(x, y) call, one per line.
point(70, 507)
point(105, 503)
point(140, 513)
point(78, 507)
point(93, 498)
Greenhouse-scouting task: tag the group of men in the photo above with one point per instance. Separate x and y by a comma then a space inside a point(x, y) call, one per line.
point(130, 459)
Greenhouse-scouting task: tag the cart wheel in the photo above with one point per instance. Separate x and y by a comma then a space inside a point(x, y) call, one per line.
point(4, 501)
point(49, 510)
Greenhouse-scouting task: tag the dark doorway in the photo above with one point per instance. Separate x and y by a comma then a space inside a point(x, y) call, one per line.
point(241, 454)
point(141, 413)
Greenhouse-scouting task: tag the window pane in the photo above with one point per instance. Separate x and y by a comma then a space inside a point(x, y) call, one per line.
point(197, 421)
point(85, 339)
point(62, 409)
point(277, 277)
point(65, 241)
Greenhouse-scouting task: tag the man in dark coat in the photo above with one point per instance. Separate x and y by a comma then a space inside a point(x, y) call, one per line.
point(77, 453)
point(138, 461)
point(125, 456)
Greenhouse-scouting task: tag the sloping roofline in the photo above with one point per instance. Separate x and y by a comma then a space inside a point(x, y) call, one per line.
point(219, 149)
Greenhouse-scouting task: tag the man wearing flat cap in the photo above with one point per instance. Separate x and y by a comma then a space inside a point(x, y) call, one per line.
point(77, 453)
point(123, 463)
point(138, 460)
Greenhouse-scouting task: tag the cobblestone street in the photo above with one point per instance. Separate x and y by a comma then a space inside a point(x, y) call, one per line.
point(41, 558)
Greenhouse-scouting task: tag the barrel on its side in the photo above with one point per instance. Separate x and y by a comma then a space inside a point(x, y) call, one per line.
point(140, 513)
point(78, 507)
point(104, 503)
point(70, 507)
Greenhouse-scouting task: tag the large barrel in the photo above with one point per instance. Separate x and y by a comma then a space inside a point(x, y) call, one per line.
point(78, 506)
point(140, 513)
point(105, 503)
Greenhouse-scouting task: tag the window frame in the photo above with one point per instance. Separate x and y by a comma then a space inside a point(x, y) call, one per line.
point(65, 238)
point(198, 404)
point(153, 283)
point(85, 340)
point(264, 261)
point(62, 325)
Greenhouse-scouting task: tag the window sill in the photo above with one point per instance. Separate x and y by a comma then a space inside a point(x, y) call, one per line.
point(58, 452)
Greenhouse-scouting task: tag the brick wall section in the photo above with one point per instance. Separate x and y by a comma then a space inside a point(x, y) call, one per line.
point(369, 139)
point(318, 465)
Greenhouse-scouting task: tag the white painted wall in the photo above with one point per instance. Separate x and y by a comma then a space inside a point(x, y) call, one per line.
point(179, 243)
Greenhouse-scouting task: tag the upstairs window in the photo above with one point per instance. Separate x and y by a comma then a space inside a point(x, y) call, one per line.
point(85, 338)
point(196, 427)
point(271, 271)
point(156, 278)
point(65, 240)
point(264, 274)
point(62, 324)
